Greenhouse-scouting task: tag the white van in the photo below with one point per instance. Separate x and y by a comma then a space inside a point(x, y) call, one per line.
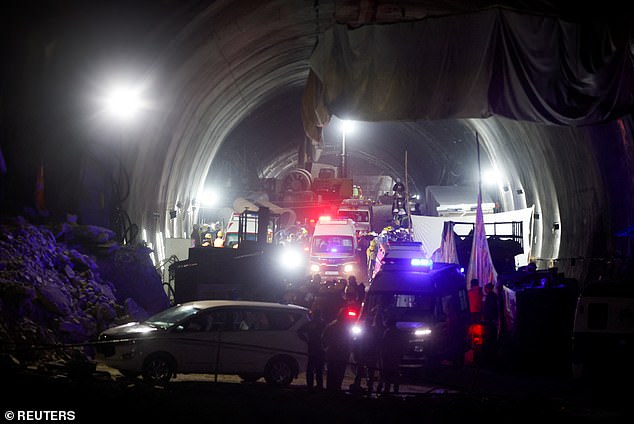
point(246, 338)
point(333, 249)
point(603, 332)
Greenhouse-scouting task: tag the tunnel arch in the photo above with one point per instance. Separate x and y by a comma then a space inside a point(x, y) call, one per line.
point(224, 64)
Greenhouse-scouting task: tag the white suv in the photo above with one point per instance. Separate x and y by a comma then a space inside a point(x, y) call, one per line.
point(249, 339)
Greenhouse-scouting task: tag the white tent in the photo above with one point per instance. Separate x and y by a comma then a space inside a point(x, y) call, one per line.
point(428, 229)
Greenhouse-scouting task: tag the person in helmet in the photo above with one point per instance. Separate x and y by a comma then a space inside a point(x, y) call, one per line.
point(370, 254)
point(207, 242)
point(399, 188)
point(219, 241)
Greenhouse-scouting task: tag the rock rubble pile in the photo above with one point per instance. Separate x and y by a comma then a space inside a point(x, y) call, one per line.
point(62, 284)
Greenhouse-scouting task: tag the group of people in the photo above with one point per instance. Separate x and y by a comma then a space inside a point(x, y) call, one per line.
point(206, 236)
point(375, 357)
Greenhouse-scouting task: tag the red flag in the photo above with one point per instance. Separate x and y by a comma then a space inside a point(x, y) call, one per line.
point(40, 202)
point(480, 263)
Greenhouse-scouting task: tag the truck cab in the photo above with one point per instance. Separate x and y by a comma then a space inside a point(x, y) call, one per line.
point(359, 211)
point(333, 249)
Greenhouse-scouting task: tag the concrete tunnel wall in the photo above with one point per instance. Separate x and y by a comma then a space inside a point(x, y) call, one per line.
point(231, 58)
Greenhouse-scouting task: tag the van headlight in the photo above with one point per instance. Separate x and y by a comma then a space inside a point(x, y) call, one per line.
point(348, 268)
point(314, 267)
point(421, 332)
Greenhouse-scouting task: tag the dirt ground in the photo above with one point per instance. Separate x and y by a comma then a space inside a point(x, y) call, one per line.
point(471, 395)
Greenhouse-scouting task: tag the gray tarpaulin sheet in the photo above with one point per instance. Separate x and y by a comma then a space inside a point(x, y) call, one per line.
point(472, 65)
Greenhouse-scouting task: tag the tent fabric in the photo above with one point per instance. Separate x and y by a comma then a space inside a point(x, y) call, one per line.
point(480, 262)
point(447, 253)
point(429, 229)
point(472, 65)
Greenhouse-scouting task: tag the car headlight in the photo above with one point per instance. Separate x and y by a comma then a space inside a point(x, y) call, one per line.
point(348, 268)
point(314, 267)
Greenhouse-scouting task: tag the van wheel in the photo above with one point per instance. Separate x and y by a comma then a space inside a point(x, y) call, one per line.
point(280, 371)
point(158, 368)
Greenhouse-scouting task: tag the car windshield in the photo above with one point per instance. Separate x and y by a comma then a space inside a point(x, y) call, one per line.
point(171, 316)
point(332, 244)
point(233, 237)
point(403, 306)
point(356, 216)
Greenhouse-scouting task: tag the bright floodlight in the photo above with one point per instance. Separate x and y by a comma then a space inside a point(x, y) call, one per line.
point(210, 198)
point(491, 177)
point(347, 126)
point(123, 102)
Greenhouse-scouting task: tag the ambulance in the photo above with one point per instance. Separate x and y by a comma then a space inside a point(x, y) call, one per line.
point(333, 249)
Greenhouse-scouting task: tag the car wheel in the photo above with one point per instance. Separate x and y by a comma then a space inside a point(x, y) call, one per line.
point(158, 369)
point(280, 372)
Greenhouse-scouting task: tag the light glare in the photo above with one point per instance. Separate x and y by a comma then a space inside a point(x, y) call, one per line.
point(123, 102)
point(347, 126)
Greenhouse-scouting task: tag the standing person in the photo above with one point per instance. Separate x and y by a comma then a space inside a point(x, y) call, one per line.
point(475, 301)
point(219, 241)
point(361, 293)
point(195, 236)
point(336, 342)
point(393, 347)
point(312, 290)
point(352, 292)
point(399, 188)
point(490, 316)
point(370, 254)
point(311, 332)
point(399, 195)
